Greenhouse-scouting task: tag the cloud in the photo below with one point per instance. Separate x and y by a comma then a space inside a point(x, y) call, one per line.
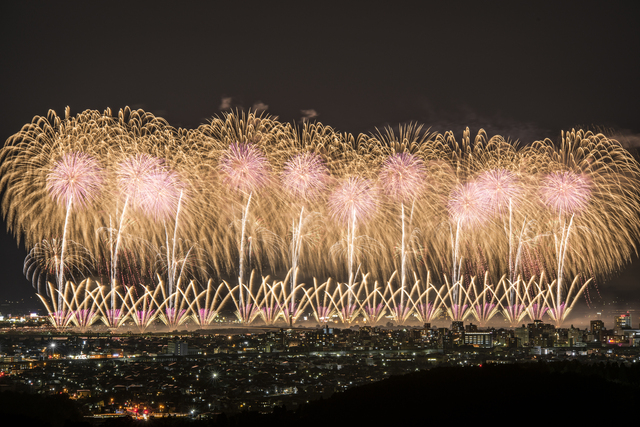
point(225, 103)
point(627, 138)
point(458, 118)
point(308, 115)
point(230, 102)
point(259, 107)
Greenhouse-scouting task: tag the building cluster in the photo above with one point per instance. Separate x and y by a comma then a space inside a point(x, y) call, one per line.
point(205, 372)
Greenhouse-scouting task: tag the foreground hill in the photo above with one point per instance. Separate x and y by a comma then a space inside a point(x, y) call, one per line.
point(562, 392)
point(553, 392)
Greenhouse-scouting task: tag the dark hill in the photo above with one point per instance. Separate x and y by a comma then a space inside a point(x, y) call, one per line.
point(562, 392)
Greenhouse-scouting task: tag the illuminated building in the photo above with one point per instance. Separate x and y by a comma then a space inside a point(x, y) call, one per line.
point(479, 339)
point(622, 322)
point(522, 335)
point(178, 348)
point(597, 329)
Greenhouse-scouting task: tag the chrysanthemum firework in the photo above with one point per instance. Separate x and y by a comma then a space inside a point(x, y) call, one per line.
point(149, 185)
point(244, 167)
point(403, 176)
point(43, 261)
point(355, 199)
point(75, 178)
point(566, 192)
point(305, 175)
point(133, 172)
point(467, 206)
point(160, 194)
point(577, 222)
point(500, 188)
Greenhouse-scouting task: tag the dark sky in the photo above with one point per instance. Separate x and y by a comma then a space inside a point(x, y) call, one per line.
point(514, 68)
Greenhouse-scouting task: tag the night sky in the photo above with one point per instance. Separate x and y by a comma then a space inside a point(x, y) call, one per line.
point(515, 69)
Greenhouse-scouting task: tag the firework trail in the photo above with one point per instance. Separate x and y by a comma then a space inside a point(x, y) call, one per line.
point(467, 208)
point(132, 176)
point(352, 202)
point(76, 176)
point(566, 193)
point(244, 168)
point(504, 191)
point(305, 177)
point(469, 227)
point(403, 177)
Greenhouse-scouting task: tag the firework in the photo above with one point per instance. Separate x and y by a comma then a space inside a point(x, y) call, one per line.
point(75, 178)
point(189, 208)
point(244, 168)
point(132, 175)
point(160, 195)
point(467, 206)
point(43, 262)
point(403, 177)
point(355, 200)
point(565, 192)
point(305, 176)
point(500, 189)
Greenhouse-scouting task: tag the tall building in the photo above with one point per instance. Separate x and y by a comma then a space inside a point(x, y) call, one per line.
point(541, 334)
point(522, 335)
point(445, 339)
point(457, 326)
point(574, 336)
point(479, 339)
point(471, 328)
point(597, 330)
point(622, 322)
point(178, 348)
point(596, 326)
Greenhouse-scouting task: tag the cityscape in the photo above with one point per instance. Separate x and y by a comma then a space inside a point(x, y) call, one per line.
point(247, 213)
point(204, 373)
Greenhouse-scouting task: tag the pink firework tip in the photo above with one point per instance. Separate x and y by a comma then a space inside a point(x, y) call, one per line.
point(244, 167)
point(355, 199)
point(467, 206)
point(305, 175)
point(149, 185)
point(566, 192)
point(403, 176)
point(133, 172)
point(160, 194)
point(499, 187)
point(75, 178)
